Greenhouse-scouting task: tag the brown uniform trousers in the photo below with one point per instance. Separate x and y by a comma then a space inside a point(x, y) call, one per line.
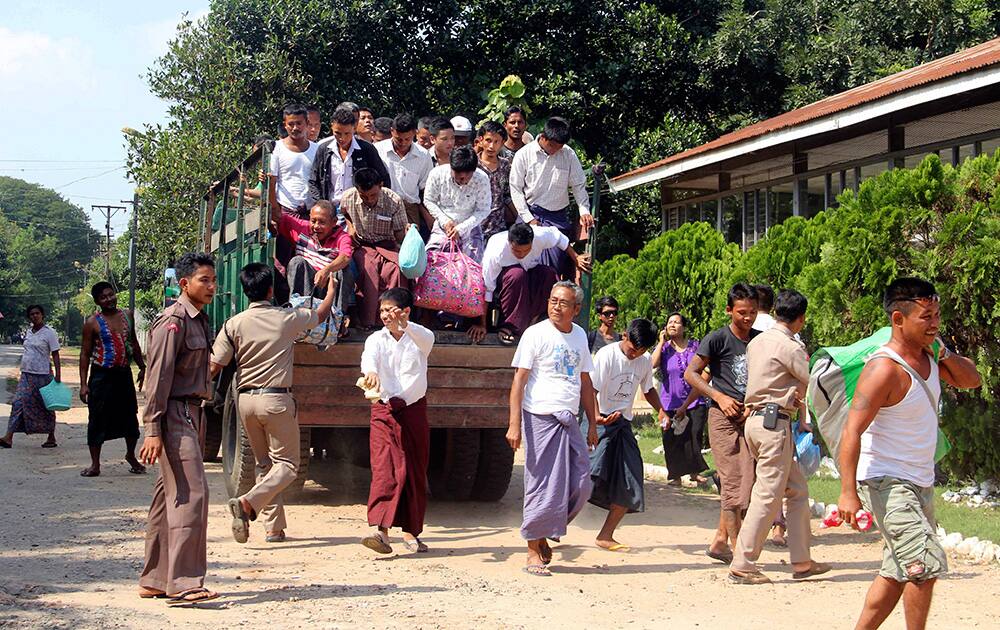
point(177, 380)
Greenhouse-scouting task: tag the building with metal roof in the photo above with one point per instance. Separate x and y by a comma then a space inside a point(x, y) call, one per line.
point(797, 163)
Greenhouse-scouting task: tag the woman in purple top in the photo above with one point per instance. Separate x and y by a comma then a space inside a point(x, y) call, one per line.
point(686, 411)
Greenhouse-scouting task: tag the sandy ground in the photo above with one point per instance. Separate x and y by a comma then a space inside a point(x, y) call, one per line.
point(72, 549)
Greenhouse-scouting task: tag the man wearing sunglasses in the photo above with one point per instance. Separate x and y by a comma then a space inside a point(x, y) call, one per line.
point(604, 334)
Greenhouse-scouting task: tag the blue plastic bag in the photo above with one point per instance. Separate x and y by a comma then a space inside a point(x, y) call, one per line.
point(56, 396)
point(412, 254)
point(807, 452)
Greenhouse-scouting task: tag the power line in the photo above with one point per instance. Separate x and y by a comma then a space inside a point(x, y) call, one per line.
point(63, 161)
point(89, 177)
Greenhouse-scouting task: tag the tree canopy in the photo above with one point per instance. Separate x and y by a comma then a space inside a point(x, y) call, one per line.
point(636, 77)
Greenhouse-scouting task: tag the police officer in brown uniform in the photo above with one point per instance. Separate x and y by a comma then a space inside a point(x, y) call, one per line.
point(261, 339)
point(777, 373)
point(176, 385)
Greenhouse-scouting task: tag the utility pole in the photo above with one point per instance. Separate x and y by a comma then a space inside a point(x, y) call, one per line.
point(108, 212)
point(131, 252)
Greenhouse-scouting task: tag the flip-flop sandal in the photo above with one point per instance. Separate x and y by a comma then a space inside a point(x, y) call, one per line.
point(5, 444)
point(49, 445)
point(618, 547)
point(376, 543)
point(275, 538)
point(137, 470)
point(241, 521)
point(725, 558)
point(754, 578)
point(89, 472)
point(506, 337)
point(818, 568)
point(415, 545)
point(188, 598)
point(539, 570)
point(149, 594)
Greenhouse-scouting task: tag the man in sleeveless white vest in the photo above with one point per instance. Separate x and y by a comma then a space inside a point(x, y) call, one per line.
point(887, 451)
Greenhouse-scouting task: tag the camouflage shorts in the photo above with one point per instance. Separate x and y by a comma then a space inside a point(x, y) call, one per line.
point(904, 514)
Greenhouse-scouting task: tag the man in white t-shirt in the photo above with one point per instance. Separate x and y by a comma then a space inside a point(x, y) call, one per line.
point(291, 163)
point(552, 377)
point(887, 451)
point(621, 369)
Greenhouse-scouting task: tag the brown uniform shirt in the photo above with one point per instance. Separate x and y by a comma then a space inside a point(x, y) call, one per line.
point(177, 361)
point(263, 336)
point(777, 369)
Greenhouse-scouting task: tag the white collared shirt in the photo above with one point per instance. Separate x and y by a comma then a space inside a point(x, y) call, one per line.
point(407, 174)
point(341, 170)
point(401, 365)
point(467, 206)
point(540, 179)
point(498, 255)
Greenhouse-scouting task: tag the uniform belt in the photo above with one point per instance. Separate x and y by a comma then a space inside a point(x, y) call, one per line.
point(781, 414)
point(266, 390)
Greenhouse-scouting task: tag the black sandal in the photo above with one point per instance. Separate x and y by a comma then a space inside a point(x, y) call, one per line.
point(506, 336)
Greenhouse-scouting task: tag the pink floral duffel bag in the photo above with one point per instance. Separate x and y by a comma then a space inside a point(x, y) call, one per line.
point(452, 283)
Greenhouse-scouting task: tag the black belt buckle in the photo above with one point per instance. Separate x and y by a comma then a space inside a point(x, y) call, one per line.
point(771, 416)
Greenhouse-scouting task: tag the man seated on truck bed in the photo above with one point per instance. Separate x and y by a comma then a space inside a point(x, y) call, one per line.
point(376, 219)
point(321, 248)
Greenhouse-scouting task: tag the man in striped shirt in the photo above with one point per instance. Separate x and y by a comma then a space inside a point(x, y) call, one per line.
point(321, 248)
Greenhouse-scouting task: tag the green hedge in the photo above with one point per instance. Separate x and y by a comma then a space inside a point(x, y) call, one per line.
point(933, 221)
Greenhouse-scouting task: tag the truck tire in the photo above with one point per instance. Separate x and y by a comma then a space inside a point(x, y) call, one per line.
point(237, 457)
point(213, 436)
point(496, 463)
point(305, 454)
point(455, 474)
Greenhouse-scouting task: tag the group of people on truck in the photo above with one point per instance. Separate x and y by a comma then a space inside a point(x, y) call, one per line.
point(342, 205)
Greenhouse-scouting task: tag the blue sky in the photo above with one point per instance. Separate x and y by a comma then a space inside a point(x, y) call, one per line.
point(71, 76)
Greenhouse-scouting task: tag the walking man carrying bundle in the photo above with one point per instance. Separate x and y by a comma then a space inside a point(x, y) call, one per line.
point(553, 373)
point(887, 451)
point(177, 385)
point(620, 369)
point(261, 338)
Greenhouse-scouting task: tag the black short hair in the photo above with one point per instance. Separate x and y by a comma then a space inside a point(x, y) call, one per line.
point(642, 333)
point(463, 159)
point(264, 140)
point(902, 292)
point(257, 280)
point(31, 307)
point(190, 262)
point(383, 125)
point(425, 122)
point(366, 178)
point(765, 297)
point(492, 126)
point(294, 109)
point(402, 298)
point(520, 234)
point(364, 108)
point(312, 109)
point(557, 130)
point(352, 106)
point(684, 319)
point(343, 116)
point(514, 109)
point(99, 288)
point(439, 124)
point(607, 300)
point(403, 123)
point(740, 291)
point(789, 306)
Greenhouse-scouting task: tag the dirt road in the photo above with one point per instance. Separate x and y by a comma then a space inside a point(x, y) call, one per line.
point(71, 549)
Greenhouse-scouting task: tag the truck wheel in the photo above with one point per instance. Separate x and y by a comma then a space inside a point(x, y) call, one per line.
point(496, 463)
point(213, 436)
point(237, 457)
point(455, 473)
point(305, 454)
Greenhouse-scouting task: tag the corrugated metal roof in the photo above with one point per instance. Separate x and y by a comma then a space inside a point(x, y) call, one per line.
point(985, 54)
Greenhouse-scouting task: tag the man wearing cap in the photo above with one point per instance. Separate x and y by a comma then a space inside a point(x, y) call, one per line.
point(541, 177)
point(463, 130)
point(261, 338)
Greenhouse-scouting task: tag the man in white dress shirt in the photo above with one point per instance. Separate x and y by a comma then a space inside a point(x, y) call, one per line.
point(541, 177)
point(409, 166)
point(516, 277)
point(394, 364)
point(458, 197)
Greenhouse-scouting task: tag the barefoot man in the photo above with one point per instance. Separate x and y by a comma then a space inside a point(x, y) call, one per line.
point(887, 451)
point(179, 346)
point(553, 367)
point(620, 369)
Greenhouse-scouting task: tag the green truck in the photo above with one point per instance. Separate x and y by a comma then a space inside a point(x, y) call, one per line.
point(468, 385)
